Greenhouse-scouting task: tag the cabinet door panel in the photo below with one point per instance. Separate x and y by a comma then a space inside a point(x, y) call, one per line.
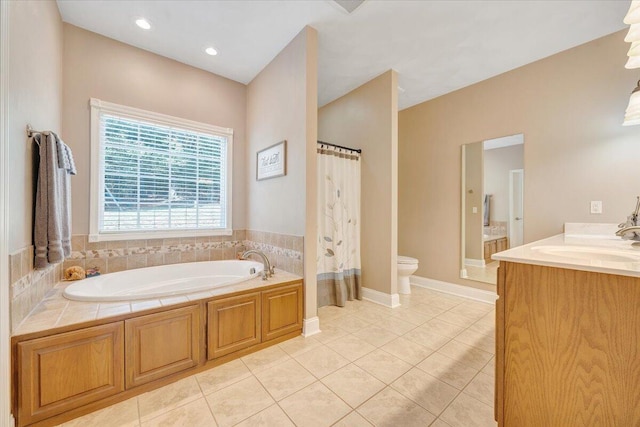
point(162, 344)
point(281, 311)
point(233, 324)
point(65, 371)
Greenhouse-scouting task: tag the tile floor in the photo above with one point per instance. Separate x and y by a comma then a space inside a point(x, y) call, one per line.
point(487, 274)
point(428, 362)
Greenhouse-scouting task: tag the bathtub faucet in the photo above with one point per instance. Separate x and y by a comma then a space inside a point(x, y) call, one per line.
point(268, 269)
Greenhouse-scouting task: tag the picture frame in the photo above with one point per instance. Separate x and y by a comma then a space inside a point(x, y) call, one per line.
point(271, 162)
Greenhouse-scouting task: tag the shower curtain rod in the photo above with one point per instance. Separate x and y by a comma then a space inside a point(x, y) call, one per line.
point(355, 150)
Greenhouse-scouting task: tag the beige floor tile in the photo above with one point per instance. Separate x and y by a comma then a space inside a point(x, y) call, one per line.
point(351, 347)
point(349, 323)
point(406, 350)
point(490, 367)
point(424, 336)
point(482, 388)
point(448, 370)
point(443, 328)
point(239, 401)
point(395, 324)
point(192, 414)
point(222, 376)
point(412, 316)
point(456, 319)
point(485, 342)
point(479, 306)
point(382, 365)
point(299, 345)
point(354, 419)
point(123, 414)
point(321, 361)
point(273, 416)
point(155, 403)
point(465, 411)
point(483, 327)
point(439, 423)
point(371, 314)
point(463, 353)
point(391, 409)
point(353, 385)
point(376, 336)
point(285, 379)
point(329, 333)
point(265, 358)
point(329, 312)
point(443, 302)
point(428, 310)
point(314, 406)
point(427, 391)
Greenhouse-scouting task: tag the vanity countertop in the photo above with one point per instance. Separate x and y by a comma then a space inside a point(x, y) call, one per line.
point(490, 237)
point(588, 247)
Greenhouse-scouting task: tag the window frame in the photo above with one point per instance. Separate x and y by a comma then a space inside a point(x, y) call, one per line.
point(96, 189)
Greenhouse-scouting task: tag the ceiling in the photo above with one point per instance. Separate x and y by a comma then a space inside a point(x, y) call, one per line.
point(435, 46)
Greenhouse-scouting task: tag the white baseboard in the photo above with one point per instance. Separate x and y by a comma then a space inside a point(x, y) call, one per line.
point(311, 326)
point(388, 300)
point(474, 262)
point(453, 289)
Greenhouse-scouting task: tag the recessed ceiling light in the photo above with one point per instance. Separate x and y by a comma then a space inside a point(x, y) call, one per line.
point(143, 23)
point(211, 51)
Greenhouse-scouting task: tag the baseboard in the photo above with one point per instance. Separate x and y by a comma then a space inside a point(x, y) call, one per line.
point(474, 262)
point(311, 326)
point(453, 289)
point(388, 300)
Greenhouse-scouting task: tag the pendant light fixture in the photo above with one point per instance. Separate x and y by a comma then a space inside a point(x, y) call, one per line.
point(632, 113)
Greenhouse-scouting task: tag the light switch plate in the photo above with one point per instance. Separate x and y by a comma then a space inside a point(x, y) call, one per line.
point(474, 210)
point(596, 206)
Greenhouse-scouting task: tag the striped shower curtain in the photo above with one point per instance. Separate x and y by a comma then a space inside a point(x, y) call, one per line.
point(338, 259)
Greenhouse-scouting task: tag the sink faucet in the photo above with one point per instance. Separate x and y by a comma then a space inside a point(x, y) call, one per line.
point(268, 269)
point(630, 230)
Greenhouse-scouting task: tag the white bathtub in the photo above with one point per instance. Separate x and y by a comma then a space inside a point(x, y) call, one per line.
point(162, 281)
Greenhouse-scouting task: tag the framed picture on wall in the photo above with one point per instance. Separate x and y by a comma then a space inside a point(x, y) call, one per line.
point(271, 162)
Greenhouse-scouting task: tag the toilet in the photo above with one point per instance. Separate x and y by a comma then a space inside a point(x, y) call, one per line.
point(406, 267)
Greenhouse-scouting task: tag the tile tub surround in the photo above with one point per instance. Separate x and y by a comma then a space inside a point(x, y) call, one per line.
point(284, 251)
point(28, 286)
point(418, 378)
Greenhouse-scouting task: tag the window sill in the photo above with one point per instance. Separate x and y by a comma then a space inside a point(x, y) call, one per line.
point(138, 235)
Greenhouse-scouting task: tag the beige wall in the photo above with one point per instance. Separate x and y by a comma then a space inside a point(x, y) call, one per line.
point(474, 198)
point(282, 105)
point(366, 118)
point(99, 67)
point(35, 97)
point(497, 164)
point(570, 108)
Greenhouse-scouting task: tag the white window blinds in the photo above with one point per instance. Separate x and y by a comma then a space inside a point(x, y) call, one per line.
point(159, 177)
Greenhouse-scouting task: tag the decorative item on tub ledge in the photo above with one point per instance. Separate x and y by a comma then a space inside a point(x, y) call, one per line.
point(271, 162)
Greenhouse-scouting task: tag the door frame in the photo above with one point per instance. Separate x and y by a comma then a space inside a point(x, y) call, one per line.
point(6, 417)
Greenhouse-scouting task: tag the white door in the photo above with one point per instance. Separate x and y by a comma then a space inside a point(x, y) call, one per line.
point(516, 207)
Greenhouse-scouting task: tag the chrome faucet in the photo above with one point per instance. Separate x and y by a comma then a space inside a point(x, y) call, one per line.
point(268, 269)
point(630, 230)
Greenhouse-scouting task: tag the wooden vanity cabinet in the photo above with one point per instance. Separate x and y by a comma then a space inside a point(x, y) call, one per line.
point(233, 324)
point(494, 246)
point(65, 371)
point(161, 344)
point(567, 347)
point(281, 311)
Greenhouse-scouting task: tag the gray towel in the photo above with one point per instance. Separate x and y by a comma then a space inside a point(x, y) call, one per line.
point(487, 206)
point(52, 222)
point(65, 157)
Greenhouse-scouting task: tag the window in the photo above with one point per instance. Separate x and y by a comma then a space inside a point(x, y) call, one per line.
point(157, 176)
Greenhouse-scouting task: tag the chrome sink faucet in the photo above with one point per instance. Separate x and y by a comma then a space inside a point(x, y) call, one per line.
point(630, 230)
point(268, 269)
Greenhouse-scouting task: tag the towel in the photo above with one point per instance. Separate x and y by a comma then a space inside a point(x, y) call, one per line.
point(487, 216)
point(65, 157)
point(52, 222)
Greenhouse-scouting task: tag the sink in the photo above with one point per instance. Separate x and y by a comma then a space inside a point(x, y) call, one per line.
point(589, 253)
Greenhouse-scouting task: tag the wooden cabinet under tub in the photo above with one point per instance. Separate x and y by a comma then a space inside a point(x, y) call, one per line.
point(66, 372)
point(161, 344)
point(234, 324)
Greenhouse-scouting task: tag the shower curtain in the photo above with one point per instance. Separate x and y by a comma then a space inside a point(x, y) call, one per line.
point(338, 259)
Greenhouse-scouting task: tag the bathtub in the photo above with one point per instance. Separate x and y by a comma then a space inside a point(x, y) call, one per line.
point(162, 281)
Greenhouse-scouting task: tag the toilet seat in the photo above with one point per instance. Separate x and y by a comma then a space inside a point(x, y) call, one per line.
point(406, 260)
